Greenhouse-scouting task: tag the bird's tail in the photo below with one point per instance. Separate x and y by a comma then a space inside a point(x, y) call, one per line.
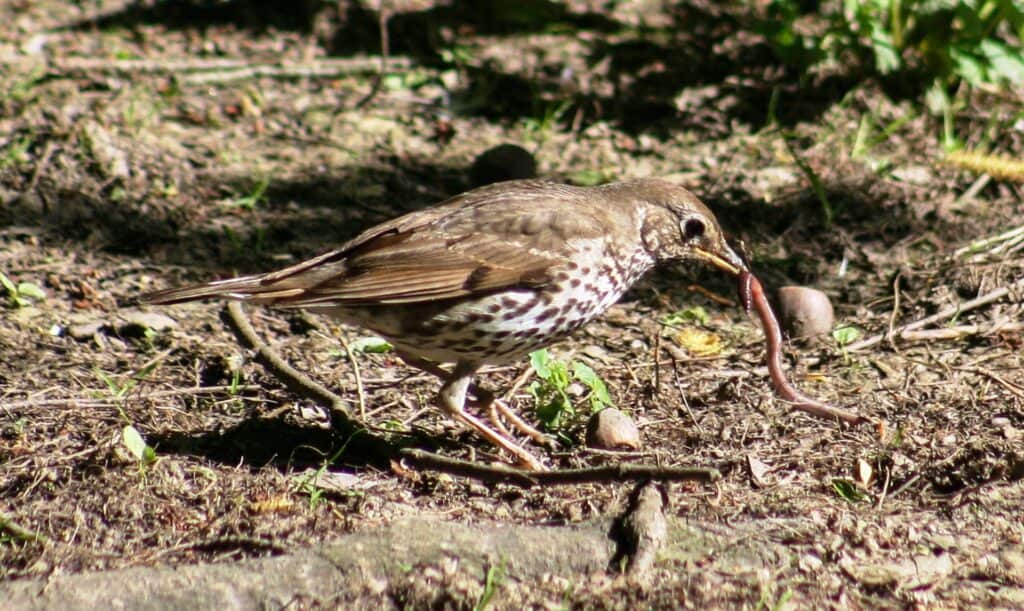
point(253, 289)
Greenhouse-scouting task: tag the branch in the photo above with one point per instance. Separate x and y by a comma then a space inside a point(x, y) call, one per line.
point(302, 385)
point(527, 479)
point(17, 531)
point(205, 71)
point(941, 315)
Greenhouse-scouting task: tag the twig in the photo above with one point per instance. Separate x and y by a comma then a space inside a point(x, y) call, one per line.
point(973, 190)
point(895, 311)
point(527, 479)
point(203, 71)
point(642, 530)
point(359, 378)
point(1016, 389)
point(382, 25)
point(960, 331)
point(288, 375)
point(81, 403)
point(301, 384)
point(978, 245)
point(943, 314)
point(20, 532)
point(685, 402)
point(44, 160)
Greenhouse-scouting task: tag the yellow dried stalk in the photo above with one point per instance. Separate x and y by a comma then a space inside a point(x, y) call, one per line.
point(1000, 167)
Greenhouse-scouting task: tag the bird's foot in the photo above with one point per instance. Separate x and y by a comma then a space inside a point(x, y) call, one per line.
point(497, 409)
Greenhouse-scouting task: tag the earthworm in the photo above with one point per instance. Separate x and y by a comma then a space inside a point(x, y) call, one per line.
point(752, 293)
point(746, 290)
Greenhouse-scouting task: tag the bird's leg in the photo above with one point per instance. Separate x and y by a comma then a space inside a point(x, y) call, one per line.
point(485, 399)
point(496, 406)
point(452, 398)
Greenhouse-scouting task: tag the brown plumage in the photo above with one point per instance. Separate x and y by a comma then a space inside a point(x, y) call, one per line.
point(492, 274)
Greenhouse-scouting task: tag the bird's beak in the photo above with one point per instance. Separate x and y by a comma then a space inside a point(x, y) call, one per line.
point(724, 258)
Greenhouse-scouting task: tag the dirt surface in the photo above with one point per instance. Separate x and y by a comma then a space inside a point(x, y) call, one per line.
point(151, 144)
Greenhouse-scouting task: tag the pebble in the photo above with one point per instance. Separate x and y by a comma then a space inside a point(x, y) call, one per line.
point(503, 162)
point(131, 321)
point(805, 312)
point(611, 429)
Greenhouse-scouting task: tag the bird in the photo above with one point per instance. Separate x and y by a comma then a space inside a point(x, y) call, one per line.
point(491, 275)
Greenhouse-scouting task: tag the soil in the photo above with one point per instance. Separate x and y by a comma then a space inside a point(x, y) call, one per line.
point(152, 144)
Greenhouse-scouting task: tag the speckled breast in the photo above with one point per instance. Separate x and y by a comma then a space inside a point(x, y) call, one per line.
point(504, 326)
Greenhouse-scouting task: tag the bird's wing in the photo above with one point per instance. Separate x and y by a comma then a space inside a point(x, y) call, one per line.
point(479, 242)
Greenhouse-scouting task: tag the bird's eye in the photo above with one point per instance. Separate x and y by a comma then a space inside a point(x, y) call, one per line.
point(693, 229)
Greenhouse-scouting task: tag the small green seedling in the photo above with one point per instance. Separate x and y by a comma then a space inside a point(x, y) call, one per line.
point(250, 201)
point(495, 577)
point(697, 314)
point(21, 294)
point(550, 392)
point(142, 451)
point(848, 490)
point(370, 345)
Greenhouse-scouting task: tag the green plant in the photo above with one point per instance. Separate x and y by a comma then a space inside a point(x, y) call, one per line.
point(21, 294)
point(539, 128)
point(253, 198)
point(120, 390)
point(495, 576)
point(551, 392)
point(15, 152)
point(697, 314)
point(370, 345)
point(846, 335)
point(950, 40)
point(848, 491)
point(130, 436)
point(136, 444)
point(939, 43)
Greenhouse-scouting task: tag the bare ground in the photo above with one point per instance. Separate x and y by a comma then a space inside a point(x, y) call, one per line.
point(137, 154)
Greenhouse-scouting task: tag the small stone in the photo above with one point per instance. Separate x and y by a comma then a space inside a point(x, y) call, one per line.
point(810, 563)
point(136, 322)
point(914, 174)
point(86, 330)
point(503, 162)
point(611, 429)
point(805, 312)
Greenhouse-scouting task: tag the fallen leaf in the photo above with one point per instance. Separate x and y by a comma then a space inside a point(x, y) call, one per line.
point(698, 342)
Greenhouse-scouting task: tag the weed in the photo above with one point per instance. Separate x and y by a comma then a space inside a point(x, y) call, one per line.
point(15, 152)
point(307, 484)
point(253, 198)
point(539, 128)
point(495, 576)
point(845, 336)
point(697, 314)
point(140, 112)
point(22, 88)
point(21, 294)
point(371, 345)
point(134, 442)
point(1000, 167)
point(942, 44)
point(948, 41)
point(551, 392)
point(130, 436)
point(848, 491)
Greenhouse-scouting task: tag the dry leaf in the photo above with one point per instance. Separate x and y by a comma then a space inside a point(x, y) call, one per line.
point(698, 342)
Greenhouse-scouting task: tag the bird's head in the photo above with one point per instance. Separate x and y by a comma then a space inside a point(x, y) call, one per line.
point(678, 227)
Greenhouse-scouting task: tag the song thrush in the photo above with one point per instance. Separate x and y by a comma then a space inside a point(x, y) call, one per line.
point(491, 275)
